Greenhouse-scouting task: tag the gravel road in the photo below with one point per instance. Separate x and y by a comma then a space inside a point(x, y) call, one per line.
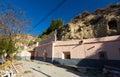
point(43, 69)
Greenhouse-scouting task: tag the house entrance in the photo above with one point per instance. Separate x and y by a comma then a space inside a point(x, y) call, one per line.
point(45, 55)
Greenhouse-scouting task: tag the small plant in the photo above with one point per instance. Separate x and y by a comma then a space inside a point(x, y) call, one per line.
point(27, 71)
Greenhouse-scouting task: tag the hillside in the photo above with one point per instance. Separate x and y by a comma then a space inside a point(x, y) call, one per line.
point(24, 39)
point(102, 22)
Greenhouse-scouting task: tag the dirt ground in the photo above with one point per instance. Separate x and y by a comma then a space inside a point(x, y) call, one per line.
point(43, 69)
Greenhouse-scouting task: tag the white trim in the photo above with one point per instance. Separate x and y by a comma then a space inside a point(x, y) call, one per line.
point(53, 51)
point(63, 56)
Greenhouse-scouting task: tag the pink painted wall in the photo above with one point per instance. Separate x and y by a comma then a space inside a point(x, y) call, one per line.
point(89, 48)
point(45, 45)
point(40, 49)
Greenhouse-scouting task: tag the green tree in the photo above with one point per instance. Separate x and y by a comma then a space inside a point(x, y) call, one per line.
point(7, 46)
point(11, 48)
point(3, 46)
point(55, 24)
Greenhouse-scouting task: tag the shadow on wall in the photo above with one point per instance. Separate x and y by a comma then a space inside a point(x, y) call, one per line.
point(108, 54)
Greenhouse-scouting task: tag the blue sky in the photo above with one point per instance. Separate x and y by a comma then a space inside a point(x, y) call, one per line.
point(38, 9)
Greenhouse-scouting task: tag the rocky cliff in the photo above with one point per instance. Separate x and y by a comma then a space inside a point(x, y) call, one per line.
point(24, 39)
point(102, 22)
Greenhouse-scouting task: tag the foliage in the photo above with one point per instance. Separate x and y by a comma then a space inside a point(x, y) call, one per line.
point(3, 45)
point(13, 21)
point(7, 46)
point(11, 47)
point(55, 24)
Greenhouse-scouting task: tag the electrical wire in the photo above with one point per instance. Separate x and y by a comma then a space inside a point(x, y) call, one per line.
point(44, 18)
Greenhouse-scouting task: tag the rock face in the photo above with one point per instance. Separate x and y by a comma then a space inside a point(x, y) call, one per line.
point(102, 22)
point(24, 39)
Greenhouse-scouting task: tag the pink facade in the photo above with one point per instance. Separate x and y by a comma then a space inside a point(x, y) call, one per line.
point(45, 45)
point(107, 48)
point(89, 48)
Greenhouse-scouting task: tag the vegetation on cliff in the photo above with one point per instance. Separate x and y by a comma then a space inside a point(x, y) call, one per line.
point(102, 22)
point(51, 30)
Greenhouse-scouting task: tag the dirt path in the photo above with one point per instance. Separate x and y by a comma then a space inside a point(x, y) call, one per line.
point(42, 69)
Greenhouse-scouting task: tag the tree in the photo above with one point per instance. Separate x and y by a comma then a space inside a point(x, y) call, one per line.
point(3, 46)
point(7, 46)
point(11, 47)
point(13, 22)
point(55, 24)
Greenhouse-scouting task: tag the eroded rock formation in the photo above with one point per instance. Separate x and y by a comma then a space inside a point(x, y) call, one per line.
point(102, 22)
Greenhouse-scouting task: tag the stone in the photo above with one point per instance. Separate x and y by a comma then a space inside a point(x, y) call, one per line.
point(101, 23)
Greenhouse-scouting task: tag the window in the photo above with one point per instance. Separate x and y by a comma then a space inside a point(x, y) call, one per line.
point(66, 55)
point(102, 55)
